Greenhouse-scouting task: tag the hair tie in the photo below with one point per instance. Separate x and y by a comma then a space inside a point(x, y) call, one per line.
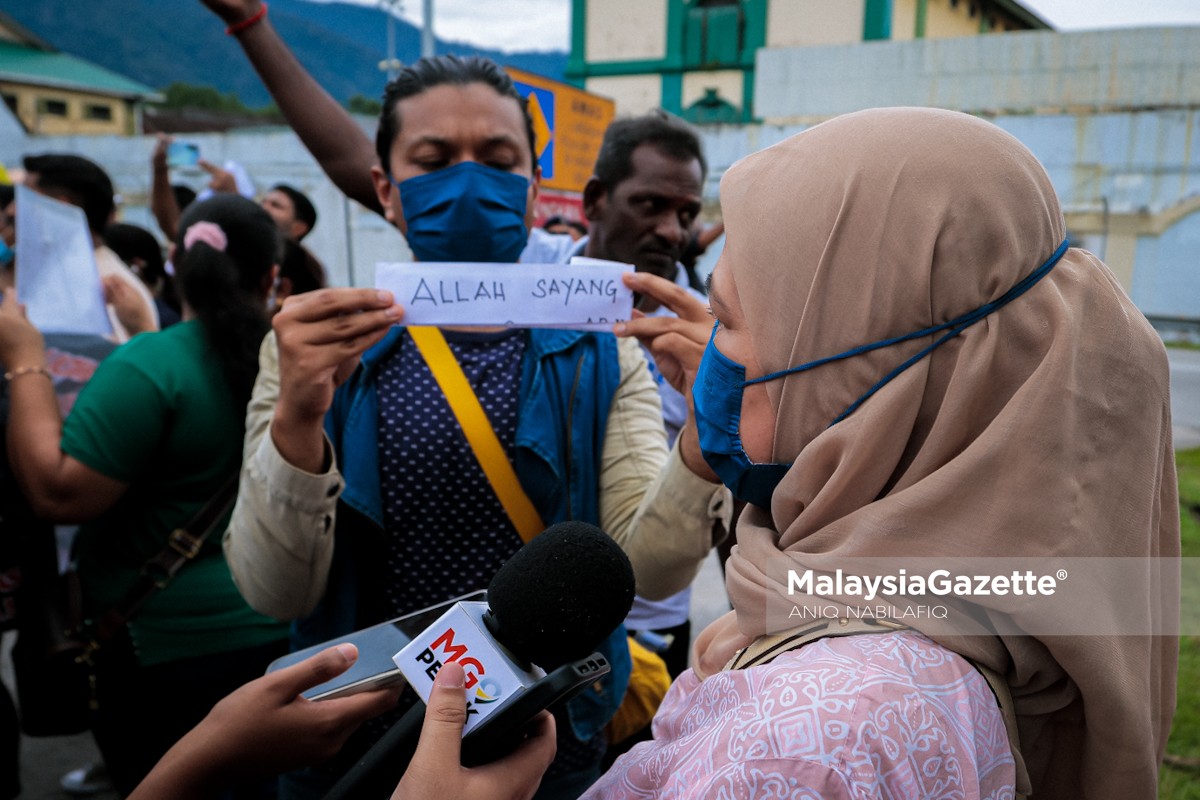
point(208, 232)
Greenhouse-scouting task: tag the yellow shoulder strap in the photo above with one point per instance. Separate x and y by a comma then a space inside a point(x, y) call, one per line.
point(478, 430)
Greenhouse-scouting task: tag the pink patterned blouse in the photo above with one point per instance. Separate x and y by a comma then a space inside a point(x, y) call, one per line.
point(877, 716)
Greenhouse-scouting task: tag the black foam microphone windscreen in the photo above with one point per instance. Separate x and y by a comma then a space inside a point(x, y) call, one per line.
point(561, 594)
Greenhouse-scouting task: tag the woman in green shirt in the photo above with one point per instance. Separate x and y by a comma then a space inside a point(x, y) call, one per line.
point(151, 438)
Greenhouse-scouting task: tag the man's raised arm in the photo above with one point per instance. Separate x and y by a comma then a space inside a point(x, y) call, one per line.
point(344, 152)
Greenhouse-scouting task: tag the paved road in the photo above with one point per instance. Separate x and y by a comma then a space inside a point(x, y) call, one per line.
point(1185, 397)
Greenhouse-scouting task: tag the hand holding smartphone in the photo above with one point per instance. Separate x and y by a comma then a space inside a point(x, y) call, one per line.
point(376, 646)
point(183, 154)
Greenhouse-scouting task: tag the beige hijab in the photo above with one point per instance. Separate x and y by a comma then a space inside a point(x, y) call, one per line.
point(1042, 430)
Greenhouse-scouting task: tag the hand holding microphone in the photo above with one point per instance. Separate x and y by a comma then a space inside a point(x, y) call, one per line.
point(266, 727)
point(436, 769)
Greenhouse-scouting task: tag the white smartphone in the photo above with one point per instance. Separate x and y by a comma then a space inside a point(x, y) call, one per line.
point(376, 646)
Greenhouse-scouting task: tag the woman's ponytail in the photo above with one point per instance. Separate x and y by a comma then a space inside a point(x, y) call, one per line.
point(224, 258)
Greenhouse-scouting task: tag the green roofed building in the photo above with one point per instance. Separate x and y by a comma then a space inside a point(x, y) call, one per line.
point(54, 93)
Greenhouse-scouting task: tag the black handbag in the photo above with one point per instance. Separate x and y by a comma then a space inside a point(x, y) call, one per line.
point(54, 658)
point(53, 675)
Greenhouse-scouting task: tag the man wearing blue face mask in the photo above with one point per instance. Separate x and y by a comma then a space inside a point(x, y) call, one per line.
point(351, 440)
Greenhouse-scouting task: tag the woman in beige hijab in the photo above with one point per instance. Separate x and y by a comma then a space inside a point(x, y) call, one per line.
point(1035, 424)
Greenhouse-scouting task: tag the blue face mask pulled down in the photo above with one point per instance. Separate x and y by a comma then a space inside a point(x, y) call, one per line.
point(721, 382)
point(467, 212)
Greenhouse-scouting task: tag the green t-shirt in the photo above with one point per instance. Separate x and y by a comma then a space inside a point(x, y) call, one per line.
point(159, 416)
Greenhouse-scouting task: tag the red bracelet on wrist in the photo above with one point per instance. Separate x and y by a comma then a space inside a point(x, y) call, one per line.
point(254, 19)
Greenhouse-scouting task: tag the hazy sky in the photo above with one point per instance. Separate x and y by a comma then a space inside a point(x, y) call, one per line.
point(545, 24)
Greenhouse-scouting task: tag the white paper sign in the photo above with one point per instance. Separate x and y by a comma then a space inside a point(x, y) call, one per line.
point(587, 294)
point(56, 271)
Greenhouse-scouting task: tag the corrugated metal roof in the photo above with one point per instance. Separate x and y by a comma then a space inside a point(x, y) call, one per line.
point(29, 65)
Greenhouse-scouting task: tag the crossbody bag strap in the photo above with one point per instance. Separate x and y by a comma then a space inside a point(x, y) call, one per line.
point(478, 429)
point(999, 687)
point(183, 545)
point(765, 648)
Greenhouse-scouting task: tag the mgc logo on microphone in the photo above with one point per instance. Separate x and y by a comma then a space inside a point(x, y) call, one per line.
point(460, 635)
point(481, 689)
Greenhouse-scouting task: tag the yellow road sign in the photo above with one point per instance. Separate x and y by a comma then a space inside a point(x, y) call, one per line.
point(568, 125)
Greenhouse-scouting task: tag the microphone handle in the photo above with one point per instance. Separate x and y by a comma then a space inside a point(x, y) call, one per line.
point(499, 733)
point(376, 774)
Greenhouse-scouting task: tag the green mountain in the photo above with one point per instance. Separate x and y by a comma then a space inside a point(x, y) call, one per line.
point(159, 43)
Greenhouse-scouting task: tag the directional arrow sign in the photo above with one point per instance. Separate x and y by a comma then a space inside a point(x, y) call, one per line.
point(568, 125)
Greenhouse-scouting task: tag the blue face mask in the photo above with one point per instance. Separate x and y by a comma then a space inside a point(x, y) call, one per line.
point(721, 382)
point(717, 398)
point(6, 254)
point(467, 212)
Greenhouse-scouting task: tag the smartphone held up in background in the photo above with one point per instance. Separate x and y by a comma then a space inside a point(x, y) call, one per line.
point(183, 154)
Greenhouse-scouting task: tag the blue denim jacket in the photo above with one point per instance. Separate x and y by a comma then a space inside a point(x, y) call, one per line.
point(568, 380)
